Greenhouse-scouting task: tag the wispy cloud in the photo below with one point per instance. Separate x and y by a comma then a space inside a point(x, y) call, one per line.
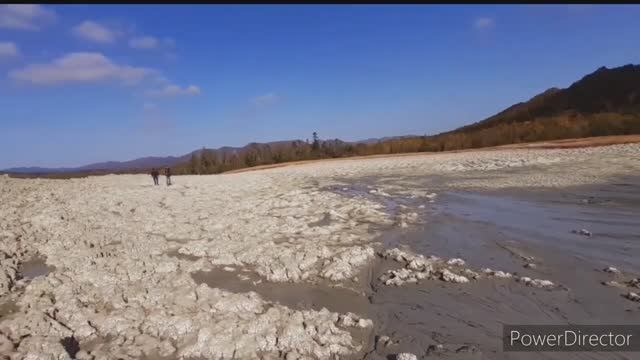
point(483, 23)
point(172, 90)
point(150, 42)
point(266, 99)
point(162, 80)
point(80, 67)
point(94, 32)
point(144, 42)
point(25, 17)
point(8, 49)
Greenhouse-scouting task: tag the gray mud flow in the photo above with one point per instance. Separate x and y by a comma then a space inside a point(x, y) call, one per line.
point(300, 296)
point(505, 230)
point(34, 267)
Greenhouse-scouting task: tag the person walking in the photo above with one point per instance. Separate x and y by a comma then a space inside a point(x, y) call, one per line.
point(155, 174)
point(167, 173)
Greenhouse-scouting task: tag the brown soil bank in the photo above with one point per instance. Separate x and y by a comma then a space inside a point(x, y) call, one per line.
point(555, 144)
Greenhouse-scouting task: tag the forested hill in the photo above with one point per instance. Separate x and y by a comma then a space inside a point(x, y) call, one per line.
point(605, 102)
point(606, 90)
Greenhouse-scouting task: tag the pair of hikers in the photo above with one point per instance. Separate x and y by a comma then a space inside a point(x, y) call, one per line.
point(155, 174)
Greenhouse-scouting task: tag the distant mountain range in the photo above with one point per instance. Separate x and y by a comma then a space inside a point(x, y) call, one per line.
point(141, 163)
point(606, 90)
point(155, 161)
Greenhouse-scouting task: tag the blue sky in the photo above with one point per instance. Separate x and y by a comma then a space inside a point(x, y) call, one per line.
point(88, 83)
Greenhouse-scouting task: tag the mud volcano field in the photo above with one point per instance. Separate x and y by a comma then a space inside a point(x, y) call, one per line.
point(409, 257)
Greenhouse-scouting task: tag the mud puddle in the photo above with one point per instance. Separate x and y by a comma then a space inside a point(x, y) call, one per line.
point(8, 308)
point(325, 221)
point(35, 267)
point(301, 296)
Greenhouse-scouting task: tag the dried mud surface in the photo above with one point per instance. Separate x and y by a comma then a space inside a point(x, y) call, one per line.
point(355, 259)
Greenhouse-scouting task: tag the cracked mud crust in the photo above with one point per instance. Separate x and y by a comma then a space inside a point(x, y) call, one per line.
point(113, 267)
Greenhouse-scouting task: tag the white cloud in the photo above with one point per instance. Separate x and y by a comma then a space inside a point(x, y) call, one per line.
point(144, 42)
point(80, 67)
point(92, 31)
point(266, 99)
point(25, 16)
point(150, 42)
point(8, 49)
point(162, 80)
point(483, 23)
point(172, 90)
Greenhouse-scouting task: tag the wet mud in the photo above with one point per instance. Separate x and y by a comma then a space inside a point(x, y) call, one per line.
point(509, 230)
point(301, 296)
point(35, 267)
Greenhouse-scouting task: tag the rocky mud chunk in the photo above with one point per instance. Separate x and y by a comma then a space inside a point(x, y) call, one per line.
point(583, 232)
point(352, 320)
point(612, 283)
point(418, 267)
point(497, 273)
point(399, 277)
point(632, 296)
point(406, 356)
point(383, 341)
point(456, 262)
point(448, 276)
point(472, 274)
point(611, 270)
point(539, 283)
point(634, 283)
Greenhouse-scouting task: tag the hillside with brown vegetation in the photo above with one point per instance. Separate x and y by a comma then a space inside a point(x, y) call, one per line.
point(604, 103)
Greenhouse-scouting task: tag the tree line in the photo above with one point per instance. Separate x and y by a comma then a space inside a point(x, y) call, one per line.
point(565, 126)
